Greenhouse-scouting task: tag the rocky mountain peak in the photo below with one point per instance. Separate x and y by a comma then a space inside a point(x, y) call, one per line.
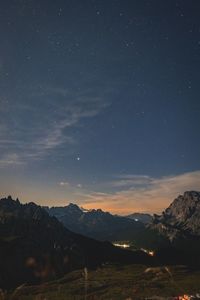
point(13, 208)
point(183, 215)
point(184, 206)
point(8, 203)
point(73, 206)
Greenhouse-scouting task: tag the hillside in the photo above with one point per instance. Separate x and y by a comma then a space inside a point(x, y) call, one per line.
point(134, 282)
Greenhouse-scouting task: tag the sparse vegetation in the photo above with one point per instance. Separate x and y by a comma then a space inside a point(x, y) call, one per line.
point(114, 282)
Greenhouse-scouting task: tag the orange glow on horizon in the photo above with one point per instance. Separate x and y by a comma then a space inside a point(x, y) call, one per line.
point(121, 210)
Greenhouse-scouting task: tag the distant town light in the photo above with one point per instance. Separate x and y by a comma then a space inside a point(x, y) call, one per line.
point(149, 252)
point(185, 297)
point(121, 245)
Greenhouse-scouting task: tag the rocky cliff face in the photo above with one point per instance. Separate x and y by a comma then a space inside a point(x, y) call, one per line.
point(181, 218)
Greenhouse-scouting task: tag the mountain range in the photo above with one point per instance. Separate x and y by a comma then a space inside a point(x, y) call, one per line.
point(39, 244)
point(35, 247)
point(174, 235)
point(107, 227)
point(94, 223)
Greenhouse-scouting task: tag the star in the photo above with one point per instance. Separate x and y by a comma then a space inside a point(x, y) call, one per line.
point(78, 158)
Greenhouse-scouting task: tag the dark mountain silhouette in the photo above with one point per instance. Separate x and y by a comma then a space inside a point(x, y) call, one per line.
point(96, 223)
point(141, 217)
point(36, 247)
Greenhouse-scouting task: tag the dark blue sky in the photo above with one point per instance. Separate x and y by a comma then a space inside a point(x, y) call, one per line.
point(99, 101)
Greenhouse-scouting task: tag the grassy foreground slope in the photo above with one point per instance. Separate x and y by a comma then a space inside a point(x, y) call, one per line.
point(116, 282)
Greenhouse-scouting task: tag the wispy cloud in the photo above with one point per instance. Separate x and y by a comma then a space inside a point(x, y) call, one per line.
point(143, 193)
point(10, 160)
point(130, 180)
point(32, 129)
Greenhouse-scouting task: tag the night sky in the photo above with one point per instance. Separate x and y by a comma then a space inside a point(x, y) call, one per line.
point(99, 102)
